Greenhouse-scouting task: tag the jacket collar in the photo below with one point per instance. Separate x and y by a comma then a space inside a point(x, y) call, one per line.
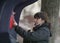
point(43, 25)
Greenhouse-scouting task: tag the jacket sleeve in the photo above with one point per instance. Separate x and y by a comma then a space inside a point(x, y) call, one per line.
point(38, 35)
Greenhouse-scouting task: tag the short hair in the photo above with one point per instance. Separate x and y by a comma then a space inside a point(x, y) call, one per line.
point(42, 15)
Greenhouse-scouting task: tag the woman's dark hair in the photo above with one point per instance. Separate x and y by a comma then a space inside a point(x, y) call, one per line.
point(43, 16)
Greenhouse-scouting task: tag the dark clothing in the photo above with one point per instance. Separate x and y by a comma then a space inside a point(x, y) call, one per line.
point(40, 34)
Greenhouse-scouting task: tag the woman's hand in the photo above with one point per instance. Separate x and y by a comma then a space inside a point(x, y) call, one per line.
point(15, 23)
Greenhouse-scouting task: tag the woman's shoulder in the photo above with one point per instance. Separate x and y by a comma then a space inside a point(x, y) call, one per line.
point(44, 28)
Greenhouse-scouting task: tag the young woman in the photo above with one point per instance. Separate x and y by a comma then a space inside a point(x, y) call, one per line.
point(41, 31)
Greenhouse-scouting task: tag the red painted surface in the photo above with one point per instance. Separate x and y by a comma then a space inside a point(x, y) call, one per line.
point(11, 21)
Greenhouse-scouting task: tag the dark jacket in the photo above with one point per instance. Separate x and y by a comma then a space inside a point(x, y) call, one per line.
point(40, 34)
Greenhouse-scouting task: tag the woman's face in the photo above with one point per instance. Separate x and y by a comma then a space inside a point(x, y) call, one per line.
point(38, 21)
